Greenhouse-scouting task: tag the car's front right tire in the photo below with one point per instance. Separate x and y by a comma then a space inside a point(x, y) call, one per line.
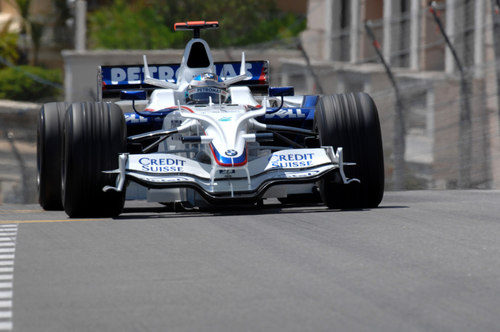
point(94, 135)
point(350, 121)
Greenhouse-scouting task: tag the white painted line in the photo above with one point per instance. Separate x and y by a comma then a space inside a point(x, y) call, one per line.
point(5, 326)
point(5, 284)
point(13, 234)
point(6, 256)
point(6, 269)
point(7, 250)
point(8, 226)
point(6, 276)
point(5, 294)
point(7, 244)
point(6, 304)
point(6, 263)
point(7, 239)
point(5, 314)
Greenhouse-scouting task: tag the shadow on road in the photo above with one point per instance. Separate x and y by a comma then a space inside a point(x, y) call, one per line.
point(155, 212)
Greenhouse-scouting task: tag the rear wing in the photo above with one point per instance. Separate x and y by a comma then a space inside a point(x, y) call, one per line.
point(112, 79)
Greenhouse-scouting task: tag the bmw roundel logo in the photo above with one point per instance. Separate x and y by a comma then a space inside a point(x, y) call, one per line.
point(231, 153)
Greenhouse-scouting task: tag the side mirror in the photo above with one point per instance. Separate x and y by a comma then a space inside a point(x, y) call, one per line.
point(281, 91)
point(133, 95)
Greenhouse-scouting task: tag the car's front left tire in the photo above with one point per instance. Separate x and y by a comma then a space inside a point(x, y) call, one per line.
point(94, 135)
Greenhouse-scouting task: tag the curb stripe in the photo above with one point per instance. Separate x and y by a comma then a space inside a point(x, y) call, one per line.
point(8, 234)
point(6, 304)
point(5, 326)
point(5, 314)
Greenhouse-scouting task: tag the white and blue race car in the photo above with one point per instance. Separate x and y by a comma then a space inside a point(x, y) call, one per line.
point(203, 133)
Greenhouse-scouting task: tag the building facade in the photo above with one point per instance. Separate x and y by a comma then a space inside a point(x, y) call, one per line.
point(447, 143)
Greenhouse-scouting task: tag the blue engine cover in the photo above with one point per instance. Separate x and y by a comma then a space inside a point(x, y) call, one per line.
point(296, 117)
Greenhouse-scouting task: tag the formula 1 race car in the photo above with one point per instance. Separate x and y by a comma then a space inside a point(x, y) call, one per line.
point(200, 134)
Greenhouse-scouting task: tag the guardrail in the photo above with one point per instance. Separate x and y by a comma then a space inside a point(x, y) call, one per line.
point(18, 165)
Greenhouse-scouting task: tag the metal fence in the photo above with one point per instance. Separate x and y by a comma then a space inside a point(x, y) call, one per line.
point(450, 119)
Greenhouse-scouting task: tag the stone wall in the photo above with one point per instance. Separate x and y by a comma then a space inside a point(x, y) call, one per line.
point(18, 151)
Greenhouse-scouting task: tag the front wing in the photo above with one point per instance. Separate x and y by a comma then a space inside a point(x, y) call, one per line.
point(163, 170)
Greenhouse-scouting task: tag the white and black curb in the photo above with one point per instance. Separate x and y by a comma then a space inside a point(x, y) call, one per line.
point(8, 235)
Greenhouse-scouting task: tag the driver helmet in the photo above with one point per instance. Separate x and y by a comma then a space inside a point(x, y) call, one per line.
point(204, 86)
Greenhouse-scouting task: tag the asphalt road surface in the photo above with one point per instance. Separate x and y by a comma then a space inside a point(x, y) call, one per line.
point(424, 261)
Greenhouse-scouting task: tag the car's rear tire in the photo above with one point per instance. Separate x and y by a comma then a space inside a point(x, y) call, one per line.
point(49, 150)
point(94, 135)
point(351, 121)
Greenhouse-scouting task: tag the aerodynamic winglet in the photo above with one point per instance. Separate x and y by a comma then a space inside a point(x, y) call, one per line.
point(242, 76)
point(153, 81)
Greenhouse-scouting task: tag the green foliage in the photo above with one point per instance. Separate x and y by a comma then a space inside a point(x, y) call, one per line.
point(8, 44)
point(148, 24)
point(31, 26)
point(36, 38)
point(126, 26)
point(24, 8)
point(16, 85)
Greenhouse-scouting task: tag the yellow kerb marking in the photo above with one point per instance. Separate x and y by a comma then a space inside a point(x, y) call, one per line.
point(19, 211)
point(47, 220)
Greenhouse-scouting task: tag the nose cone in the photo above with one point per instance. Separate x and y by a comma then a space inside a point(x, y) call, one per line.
point(229, 157)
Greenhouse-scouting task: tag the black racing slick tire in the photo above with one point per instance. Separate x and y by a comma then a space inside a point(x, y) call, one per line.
point(49, 150)
point(351, 121)
point(94, 135)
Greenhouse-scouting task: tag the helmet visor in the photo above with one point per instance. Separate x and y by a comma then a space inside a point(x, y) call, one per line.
point(202, 95)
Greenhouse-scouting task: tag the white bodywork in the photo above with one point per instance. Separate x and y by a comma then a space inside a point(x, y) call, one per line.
point(225, 161)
